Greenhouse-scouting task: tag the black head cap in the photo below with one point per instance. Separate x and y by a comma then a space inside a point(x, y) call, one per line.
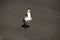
point(28, 8)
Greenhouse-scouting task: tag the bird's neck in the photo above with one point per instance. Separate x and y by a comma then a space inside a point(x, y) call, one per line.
point(29, 14)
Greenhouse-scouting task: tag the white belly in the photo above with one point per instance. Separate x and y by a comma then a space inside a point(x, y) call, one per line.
point(28, 18)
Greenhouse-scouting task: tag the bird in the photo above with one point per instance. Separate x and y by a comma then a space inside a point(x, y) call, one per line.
point(28, 17)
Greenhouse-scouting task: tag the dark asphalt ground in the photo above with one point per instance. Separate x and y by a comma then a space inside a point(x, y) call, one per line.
point(44, 26)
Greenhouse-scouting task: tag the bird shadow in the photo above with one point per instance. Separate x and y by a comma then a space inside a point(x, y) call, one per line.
point(25, 26)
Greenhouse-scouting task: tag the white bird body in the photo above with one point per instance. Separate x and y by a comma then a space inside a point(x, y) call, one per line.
point(28, 18)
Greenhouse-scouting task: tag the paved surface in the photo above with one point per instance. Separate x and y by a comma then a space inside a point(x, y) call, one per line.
point(44, 26)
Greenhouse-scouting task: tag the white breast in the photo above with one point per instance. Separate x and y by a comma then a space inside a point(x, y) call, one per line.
point(29, 15)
